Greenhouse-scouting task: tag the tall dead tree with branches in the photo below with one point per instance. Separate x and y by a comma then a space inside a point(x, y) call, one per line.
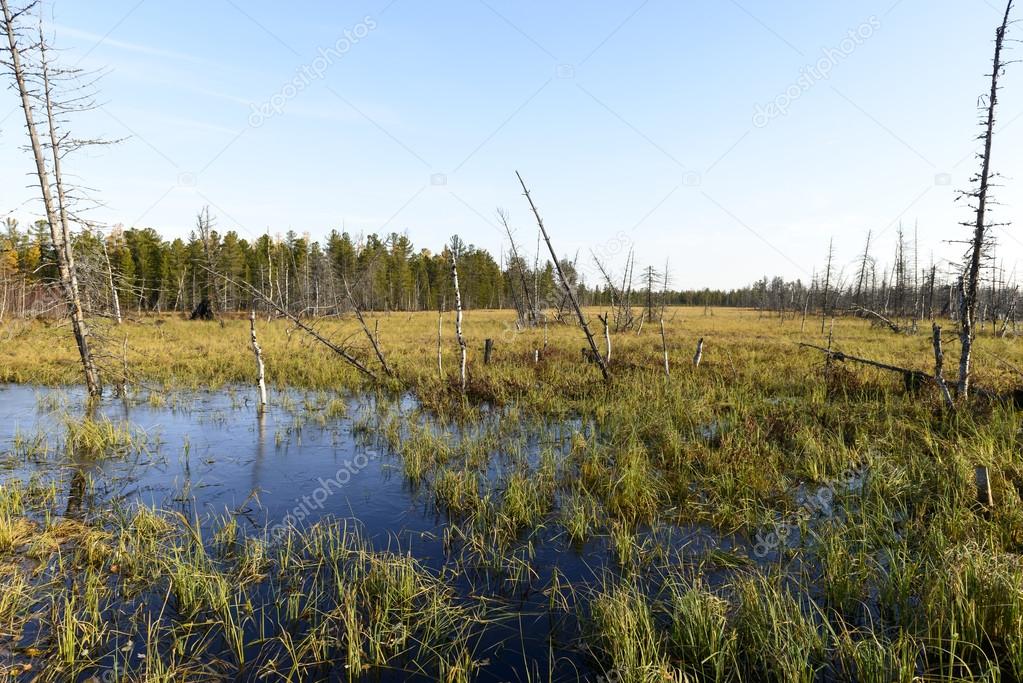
point(35, 90)
point(861, 273)
point(971, 277)
point(115, 300)
point(204, 230)
point(525, 303)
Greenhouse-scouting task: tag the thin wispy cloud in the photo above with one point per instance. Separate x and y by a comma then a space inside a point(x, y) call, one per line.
point(63, 32)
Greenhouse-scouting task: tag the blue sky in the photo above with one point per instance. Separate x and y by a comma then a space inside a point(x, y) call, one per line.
point(633, 123)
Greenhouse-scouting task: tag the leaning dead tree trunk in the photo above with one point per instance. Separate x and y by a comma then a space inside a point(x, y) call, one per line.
point(968, 305)
point(458, 317)
point(699, 353)
point(56, 215)
point(373, 341)
point(887, 322)
point(260, 368)
point(564, 283)
point(339, 350)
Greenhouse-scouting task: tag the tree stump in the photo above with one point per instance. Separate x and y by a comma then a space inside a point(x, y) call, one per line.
point(983, 481)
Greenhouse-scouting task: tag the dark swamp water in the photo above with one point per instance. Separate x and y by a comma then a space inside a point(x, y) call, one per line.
point(314, 457)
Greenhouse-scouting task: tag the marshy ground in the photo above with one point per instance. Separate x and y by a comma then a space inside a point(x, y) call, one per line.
point(764, 517)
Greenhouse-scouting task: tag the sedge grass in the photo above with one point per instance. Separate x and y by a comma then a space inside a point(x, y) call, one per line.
point(732, 446)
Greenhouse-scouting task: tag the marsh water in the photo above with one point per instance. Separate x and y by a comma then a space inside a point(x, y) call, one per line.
point(212, 455)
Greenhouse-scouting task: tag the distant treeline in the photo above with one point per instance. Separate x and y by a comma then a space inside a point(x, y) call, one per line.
point(150, 273)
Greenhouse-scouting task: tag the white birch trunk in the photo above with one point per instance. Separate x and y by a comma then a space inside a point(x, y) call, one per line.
point(260, 368)
point(458, 317)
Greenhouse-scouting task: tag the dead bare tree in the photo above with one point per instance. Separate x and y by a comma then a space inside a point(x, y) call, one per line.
point(527, 313)
point(968, 304)
point(617, 301)
point(458, 315)
point(827, 284)
point(114, 298)
point(55, 206)
point(564, 283)
point(861, 274)
point(627, 281)
point(204, 228)
point(650, 293)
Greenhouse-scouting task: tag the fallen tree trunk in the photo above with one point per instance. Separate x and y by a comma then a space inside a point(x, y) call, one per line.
point(840, 356)
point(893, 326)
point(914, 379)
